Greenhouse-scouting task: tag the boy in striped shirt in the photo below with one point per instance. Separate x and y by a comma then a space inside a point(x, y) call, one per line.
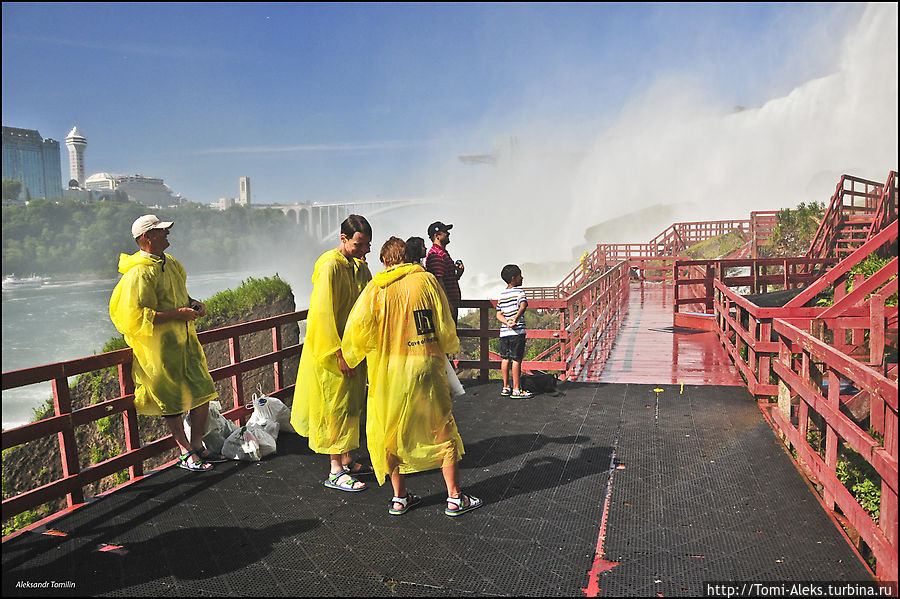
point(510, 312)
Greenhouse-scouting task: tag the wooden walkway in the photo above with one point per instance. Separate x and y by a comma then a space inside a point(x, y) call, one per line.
point(648, 350)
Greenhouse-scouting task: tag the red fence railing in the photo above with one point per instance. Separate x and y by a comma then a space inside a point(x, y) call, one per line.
point(853, 197)
point(64, 419)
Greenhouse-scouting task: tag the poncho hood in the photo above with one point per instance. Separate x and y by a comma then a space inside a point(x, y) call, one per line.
point(395, 273)
point(127, 262)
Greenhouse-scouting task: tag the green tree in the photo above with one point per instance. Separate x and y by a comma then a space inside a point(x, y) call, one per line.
point(11, 189)
point(794, 230)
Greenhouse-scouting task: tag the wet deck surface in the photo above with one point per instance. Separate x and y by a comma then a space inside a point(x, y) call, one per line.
point(700, 490)
point(648, 349)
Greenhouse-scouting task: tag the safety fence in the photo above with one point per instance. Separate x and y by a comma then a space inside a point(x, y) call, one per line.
point(585, 318)
point(830, 370)
point(693, 279)
point(651, 260)
point(65, 419)
point(812, 415)
point(850, 214)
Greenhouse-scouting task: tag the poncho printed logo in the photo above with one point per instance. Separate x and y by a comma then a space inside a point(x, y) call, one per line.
point(424, 321)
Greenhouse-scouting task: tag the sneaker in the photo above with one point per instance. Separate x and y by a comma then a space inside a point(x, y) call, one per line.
point(505, 391)
point(517, 394)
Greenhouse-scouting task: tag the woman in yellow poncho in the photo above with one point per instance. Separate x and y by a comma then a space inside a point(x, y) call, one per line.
point(151, 307)
point(329, 395)
point(401, 325)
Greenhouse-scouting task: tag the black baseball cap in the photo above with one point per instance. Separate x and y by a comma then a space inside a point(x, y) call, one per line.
point(436, 227)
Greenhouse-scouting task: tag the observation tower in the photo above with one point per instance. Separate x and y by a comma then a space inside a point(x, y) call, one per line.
point(76, 142)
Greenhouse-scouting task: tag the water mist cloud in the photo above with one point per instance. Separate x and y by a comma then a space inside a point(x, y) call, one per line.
point(673, 146)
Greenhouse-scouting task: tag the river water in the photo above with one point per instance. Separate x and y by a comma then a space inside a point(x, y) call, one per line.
point(48, 320)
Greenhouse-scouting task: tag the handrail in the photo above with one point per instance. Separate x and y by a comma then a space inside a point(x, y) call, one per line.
point(65, 419)
point(788, 273)
point(824, 240)
point(765, 342)
point(485, 332)
point(887, 206)
point(584, 315)
point(796, 381)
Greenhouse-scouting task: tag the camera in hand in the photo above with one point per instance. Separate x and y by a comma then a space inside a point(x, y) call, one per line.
point(195, 307)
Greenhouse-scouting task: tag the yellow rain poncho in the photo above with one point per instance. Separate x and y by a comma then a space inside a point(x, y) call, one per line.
point(169, 370)
point(402, 326)
point(327, 405)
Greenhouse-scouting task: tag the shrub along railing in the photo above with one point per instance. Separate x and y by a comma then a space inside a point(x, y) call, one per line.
point(64, 419)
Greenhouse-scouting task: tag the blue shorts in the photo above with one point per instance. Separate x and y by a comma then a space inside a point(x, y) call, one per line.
point(512, 348)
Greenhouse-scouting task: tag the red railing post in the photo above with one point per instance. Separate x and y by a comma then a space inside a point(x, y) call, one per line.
point(68, 450)
point(485, 345)
point(276, 345)
point(237, 379)
point(129, 419)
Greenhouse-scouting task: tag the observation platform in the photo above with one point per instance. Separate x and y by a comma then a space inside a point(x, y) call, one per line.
point(596, 489)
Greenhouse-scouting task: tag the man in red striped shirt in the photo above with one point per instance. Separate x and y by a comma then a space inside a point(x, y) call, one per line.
point(439, 263)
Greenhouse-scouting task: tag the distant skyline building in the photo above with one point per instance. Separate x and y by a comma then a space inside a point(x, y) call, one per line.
point(34, 162)
point(76, 142)
point(244, 197)
point(150, 191)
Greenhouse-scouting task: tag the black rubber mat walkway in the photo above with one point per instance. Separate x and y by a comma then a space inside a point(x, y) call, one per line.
point(700, 491)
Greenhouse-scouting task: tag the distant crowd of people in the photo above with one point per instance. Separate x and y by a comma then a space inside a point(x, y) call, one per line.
point(391, 334)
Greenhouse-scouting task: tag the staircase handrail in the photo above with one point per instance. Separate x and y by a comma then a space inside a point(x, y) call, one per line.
point(824, 239)
point(887, 206)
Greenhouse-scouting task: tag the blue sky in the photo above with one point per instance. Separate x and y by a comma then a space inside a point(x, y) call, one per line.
point(327, 102)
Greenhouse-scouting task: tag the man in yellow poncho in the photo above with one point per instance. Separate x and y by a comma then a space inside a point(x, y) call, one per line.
point(151, 307)
point(329, 395)
point(402, 326)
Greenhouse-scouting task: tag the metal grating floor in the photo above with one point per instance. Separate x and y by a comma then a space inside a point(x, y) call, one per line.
point(701, 492)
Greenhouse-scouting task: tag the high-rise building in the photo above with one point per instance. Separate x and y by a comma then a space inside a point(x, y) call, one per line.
point(244, 199)
point(76, 142)
point(33, 161)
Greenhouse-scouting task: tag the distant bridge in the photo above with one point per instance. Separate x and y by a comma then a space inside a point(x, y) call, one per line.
point(323, 220)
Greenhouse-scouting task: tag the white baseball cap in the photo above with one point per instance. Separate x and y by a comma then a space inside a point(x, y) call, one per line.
point(147, 222)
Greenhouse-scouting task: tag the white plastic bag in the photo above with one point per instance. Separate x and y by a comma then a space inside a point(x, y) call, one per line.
point(249, 443)
point(456, 388)
point(271, 413)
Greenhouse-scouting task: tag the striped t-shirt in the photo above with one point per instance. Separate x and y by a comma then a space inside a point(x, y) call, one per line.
point(508, 303)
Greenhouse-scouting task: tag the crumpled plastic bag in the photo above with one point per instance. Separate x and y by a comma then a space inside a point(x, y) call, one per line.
point(271, 413)
point(217, 429)
point(249, 443)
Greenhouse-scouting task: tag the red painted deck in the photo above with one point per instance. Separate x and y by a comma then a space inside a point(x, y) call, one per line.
point(647, 351)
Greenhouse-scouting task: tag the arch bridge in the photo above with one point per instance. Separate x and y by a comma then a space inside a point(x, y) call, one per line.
point(323, 220)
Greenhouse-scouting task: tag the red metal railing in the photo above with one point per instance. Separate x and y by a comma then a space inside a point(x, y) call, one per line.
point(65, 419)
point(693, 279)
point(803, 365)
point(591, 312)
point(762, 225)
point(778, 359)
point(665, 246)
point(848, 217)
point(489, 328)
point(887, 206)
point(585, 316)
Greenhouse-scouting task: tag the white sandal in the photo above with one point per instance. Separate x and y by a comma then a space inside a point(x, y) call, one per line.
point(407, 502)
point(463, 503)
